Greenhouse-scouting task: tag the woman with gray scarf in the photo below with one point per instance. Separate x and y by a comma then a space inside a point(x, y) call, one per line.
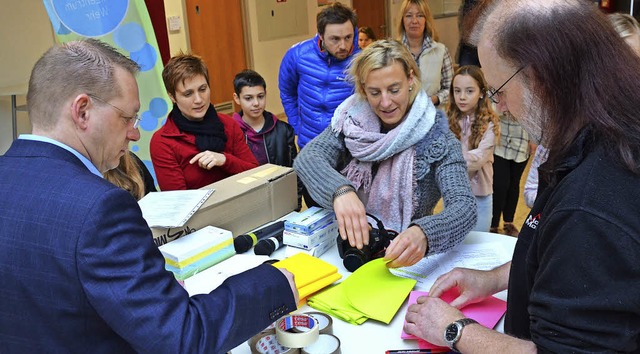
point(389, 152)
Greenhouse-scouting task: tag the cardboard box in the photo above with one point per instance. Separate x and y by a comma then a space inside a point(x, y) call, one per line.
point(241, 203)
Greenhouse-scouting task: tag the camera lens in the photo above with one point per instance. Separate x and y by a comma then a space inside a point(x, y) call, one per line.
point(353, 260)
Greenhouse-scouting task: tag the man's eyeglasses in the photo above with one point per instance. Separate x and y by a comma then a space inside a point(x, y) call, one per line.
point(135, 118)
point(494, 94)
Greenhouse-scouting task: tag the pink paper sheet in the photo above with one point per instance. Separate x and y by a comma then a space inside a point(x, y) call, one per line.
point(487, 312)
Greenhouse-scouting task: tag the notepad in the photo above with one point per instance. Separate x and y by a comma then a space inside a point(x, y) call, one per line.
point(487, 312)
point(311, 273)
point(197, 251)
point(172, 208)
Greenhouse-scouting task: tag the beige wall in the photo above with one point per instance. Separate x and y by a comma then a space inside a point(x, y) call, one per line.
point(25, 33)
point(178, 40)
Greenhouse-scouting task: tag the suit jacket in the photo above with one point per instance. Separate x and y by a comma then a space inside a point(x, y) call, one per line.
point(79, 271)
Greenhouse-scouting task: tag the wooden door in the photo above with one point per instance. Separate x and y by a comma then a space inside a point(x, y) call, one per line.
point(372, 13)
point(216, 34)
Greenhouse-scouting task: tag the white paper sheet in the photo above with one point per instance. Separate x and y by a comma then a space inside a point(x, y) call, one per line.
point(483, 256)
point(172, 208)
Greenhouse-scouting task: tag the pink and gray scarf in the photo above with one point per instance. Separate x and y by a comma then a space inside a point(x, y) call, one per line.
point(390, 194)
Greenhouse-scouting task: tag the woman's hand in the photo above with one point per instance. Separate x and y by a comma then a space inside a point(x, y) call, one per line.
point(428, 318)
point(408, 248)
point(209, 159)
point(352, 219)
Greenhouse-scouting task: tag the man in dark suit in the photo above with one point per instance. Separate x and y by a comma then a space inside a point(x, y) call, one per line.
point(79, 270)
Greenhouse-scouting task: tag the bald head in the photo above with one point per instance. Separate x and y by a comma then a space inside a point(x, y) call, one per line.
point(489, 16)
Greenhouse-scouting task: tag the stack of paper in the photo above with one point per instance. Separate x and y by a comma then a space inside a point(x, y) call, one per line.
point(370, 292)
point(172, 208)
point(311, 273)
point(487, 312)
point(197, 251)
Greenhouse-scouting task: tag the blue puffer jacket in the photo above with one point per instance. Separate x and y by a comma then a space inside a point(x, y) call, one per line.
point(312, 84)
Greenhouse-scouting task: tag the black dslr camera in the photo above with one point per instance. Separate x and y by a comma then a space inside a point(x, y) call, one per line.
point(379, 240)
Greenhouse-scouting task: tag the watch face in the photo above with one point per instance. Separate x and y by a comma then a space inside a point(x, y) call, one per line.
point(451, 333)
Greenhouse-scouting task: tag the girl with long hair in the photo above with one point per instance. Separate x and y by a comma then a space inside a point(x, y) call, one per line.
point(476, 125)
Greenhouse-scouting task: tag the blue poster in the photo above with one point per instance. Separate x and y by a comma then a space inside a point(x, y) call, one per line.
point(125, 24)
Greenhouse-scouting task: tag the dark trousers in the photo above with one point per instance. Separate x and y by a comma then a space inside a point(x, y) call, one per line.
point(506, 188)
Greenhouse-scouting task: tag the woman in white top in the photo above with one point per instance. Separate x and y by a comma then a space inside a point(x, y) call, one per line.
point(418, 33)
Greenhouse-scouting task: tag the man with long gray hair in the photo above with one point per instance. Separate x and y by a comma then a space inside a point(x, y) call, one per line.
point(573, 281)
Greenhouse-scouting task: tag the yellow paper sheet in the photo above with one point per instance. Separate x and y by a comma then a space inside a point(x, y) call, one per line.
point(375, 292)
point(318, 285)
point(370, 292)
point(332, 301)
point(308, 270)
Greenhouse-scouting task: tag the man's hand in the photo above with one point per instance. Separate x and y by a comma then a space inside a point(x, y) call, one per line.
point(474, 285)
point(209, 159)
point(428, 318)
point(292, 283)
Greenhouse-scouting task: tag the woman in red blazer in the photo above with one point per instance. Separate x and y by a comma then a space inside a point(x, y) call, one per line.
point(196, 146)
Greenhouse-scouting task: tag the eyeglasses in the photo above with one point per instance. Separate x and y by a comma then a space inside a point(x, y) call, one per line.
point(494, 94)
point(123, 114)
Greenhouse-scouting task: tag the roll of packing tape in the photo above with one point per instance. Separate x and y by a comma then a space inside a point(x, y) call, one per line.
point(297, 331)
point(324, 320)
point(269, 330)
point(325, 344)
point(268, 344)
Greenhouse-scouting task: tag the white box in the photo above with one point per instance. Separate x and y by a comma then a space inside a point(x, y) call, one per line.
point(309, 220)
point(316, 251)
point(302, 240)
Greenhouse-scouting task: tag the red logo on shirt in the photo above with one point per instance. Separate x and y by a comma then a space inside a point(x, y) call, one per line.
point(532, 221)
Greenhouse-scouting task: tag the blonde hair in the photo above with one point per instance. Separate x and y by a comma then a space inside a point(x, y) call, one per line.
point(484, 113)
point(430, 25)
point(127, 176)
point(381, 54)
point(624, 24)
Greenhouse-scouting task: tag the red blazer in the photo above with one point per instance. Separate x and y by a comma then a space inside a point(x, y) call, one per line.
point(171, 150)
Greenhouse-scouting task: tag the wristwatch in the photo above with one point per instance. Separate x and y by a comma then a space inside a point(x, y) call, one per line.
point(453, 332)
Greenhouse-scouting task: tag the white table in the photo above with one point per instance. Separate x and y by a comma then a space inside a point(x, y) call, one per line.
point(14, 91)
point(373, 336)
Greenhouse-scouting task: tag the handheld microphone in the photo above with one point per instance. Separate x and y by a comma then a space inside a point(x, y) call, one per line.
point(265, 247)
point(244, 242)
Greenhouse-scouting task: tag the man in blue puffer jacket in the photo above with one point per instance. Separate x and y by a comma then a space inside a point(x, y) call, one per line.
point(312, 77)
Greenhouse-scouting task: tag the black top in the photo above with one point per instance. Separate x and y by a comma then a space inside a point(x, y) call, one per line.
point(574, 284)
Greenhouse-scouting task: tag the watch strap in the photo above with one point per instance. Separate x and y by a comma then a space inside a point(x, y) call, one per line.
point(461, 324)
